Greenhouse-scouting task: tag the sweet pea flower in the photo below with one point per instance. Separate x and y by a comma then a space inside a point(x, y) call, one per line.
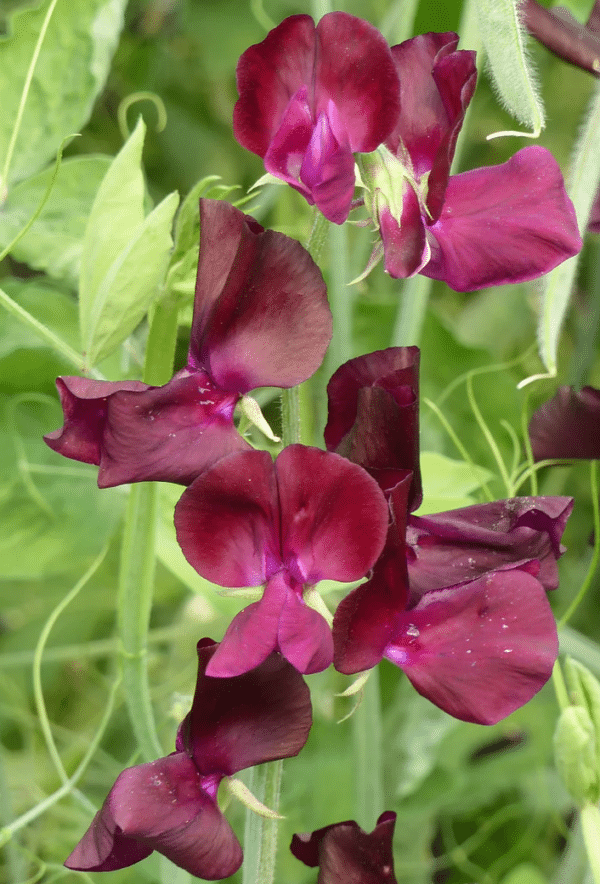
point(261, 318)
point(345, 854)
point(456, 599)
point(490, 226)
point(567, 426)
point(311, 96)
point(170, 805)
point(249, 521)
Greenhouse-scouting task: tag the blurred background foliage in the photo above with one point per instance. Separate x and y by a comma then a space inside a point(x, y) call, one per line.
point(474, 804)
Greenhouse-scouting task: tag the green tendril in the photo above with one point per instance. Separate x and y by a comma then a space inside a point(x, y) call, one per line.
point(596, 553)
point(488, 437)
point(134, 98)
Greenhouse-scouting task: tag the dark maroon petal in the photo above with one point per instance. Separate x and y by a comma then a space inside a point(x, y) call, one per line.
point(348, 855)
point(448, 548)
point(238, 722)
point(227, 521)
point(373, 415)
point(567, 426)
point(261, 316)
point(436, 86)
point(304, 636)
point(355, 71)
point(268, 75)
point(286, 151)
point(333, 515)
point(328, 172)
point(84, 404)
point(481, 650)
point(160, 806)
point(503, 224)
point(406, 250)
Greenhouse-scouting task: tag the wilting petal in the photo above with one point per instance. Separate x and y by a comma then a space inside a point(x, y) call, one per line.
point(503, 224)
point(346, 854)
point(452, 547)
point(304, 636)
point(567, 426)
point(261, 316)
point(227, 521)
point(481, 650)
point(160, 806)
point(373, 415)
point(436, 85)
point(333, 515)
point(406, 250)
point(235, 723)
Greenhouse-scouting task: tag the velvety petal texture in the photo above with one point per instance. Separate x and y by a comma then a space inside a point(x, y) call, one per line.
point(308, 516)
point(567, 426)
point(373, 416)
point(261, 318)
point(170, 805)
point(311, 96)
point(346, 854)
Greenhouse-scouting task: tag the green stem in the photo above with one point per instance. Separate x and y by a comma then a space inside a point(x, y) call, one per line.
point(369, 793)
point(596, 553)
point(412, 308)
point(341, 300)
point(260, 834)
point(590, 822)
point(138, 558)
point(560, 688)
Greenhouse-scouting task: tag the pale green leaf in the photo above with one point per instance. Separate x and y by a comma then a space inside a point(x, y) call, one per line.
point(70, 72)
point(54, 242)
point(504, 38)
point(447, 483)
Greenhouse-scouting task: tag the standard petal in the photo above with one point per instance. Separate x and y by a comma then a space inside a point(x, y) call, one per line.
point(567, 426)
point(503, 224)
point(304, 637)
point(448, 548)
point(261, 316)
point(160, 806)
point(235, 723)
point(84, 404)
point(481, 650)
point(356, 74)
point(333, 515)
point(227, 521)
point(346, 854)
point(436, 85)
point(378, 428)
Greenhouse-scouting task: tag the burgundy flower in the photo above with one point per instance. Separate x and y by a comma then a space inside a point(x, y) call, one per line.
point(567, 426)
point(346, 854)
point(491, 226)
point(456, 599)
point(248, 521)
point(170, 805)
point(261, 318)
point(311, 96)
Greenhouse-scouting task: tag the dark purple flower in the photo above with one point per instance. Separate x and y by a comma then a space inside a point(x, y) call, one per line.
point(311, 96)
point(248, 521)
point(491, 226)
point(346, 854)
point(567, 426)
point(261, 318)
point(170, 804)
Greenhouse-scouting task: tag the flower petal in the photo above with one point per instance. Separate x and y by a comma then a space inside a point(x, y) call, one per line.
point(261, 316)
point(567, 426)
point(376, 429)
point(227, 521)
point(503, 224)
point(160, 806)
point(345, 853)
point(436, 85)
point(328, 172)
point(333, 515)
point(452, 547)
point(304, 636)
point(480, 650)
point(235, 723)
point(405, 245)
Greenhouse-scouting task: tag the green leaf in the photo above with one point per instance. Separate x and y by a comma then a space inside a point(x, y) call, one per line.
point(124, 256)
point(70, 72)
point(525, 873)
point(54, 243)
point(575, 753)
point(448, 483)
point(504, 37)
